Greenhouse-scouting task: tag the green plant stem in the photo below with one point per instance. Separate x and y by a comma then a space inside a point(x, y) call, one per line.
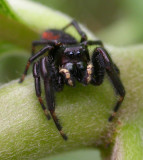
point(128, 143)
point(6, 10)
point(25, 132)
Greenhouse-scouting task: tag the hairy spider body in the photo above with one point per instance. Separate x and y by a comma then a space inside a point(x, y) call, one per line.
point(68, 61)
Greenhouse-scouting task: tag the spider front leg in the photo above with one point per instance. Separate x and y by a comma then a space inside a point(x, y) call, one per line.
point(36, 75)
point(48, 75)
point(98, 42)
point(38, 43)
point(50, 46)
point(102, 61)
point(32, 58)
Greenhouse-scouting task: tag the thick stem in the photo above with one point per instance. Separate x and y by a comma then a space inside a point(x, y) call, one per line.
point(25, 131)
point(83, 111)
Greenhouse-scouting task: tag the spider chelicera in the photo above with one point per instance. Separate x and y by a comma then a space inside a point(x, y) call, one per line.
point(67, 60)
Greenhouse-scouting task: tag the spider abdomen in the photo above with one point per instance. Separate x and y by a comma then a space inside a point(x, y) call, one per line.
point(61, 36)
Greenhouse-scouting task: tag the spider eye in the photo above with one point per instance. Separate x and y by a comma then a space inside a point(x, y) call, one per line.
point(70, 53)
point(78, 53)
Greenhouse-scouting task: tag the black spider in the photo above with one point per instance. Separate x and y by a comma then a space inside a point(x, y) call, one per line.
point(66, 61)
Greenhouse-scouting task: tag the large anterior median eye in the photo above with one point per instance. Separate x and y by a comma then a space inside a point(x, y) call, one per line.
point(71, 53)
point(78, 53)
point(69, 66)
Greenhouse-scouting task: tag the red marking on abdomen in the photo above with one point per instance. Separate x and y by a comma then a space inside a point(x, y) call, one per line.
point(50, 36)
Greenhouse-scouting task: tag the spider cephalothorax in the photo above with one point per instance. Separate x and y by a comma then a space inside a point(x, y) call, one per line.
point(67, 61)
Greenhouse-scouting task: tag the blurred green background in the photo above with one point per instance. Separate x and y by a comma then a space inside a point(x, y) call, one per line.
point(117, 22)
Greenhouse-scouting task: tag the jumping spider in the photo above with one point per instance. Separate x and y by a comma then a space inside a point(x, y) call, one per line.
point(68, 60)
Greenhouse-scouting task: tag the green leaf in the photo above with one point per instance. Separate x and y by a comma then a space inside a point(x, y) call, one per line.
point(12, 30)
point(6, 10)
point(11, 64)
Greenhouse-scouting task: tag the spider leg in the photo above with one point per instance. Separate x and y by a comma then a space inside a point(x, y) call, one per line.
point(98, 73)
point(37, 43)
point(104, 61)
point(77, 27)
point(32, 58)
point(36, 75)
point(48, 77)
point(116, 69)
point(95, 42)
point(99, 42)
point(44, 42)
